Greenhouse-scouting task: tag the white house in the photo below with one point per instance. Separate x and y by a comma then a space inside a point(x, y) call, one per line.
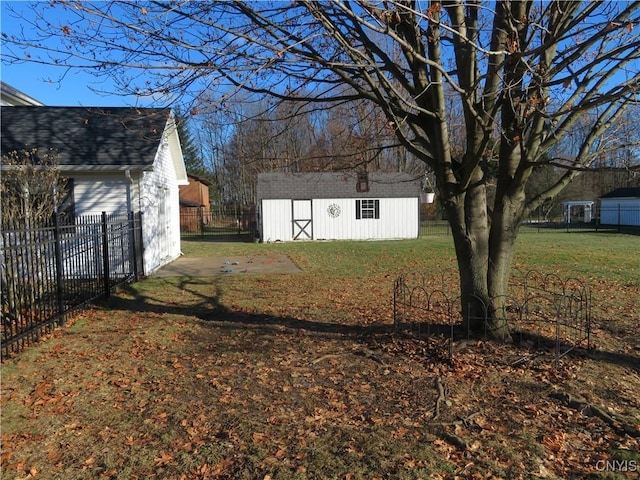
point(621, 207)
point(337, 206)
point(116, 160)
point(12, 96)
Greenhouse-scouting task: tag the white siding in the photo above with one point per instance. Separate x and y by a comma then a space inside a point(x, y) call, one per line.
point(399, 218)
point(275, 216)
point(95, 194)
point(160, 209)
point(154, 193)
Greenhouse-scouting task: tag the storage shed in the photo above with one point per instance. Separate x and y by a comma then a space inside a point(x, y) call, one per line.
point(337, 206)
point(621, 207)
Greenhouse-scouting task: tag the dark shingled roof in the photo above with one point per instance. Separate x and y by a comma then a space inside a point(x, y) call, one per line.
point(633, 192)
point(300, 186)
point(86, 136)
point(200, 179)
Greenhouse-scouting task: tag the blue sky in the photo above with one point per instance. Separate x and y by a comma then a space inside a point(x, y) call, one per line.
point(40, 81)
point(73, 91)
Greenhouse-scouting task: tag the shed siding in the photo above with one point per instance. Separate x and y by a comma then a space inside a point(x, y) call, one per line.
point(620, 211)
point(399, 218)
point(276, 220)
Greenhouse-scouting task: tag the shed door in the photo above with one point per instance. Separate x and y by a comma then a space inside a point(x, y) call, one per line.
point(301, 220)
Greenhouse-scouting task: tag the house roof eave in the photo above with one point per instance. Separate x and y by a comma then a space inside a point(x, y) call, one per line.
point(173, 141)
point(88, 168)
point(104, 168)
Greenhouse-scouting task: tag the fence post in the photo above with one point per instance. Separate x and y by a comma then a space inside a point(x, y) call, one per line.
point(619, 219)
point(105, 255)
point(59, 266)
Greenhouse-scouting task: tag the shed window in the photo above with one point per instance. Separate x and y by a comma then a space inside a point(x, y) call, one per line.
point(367, 209)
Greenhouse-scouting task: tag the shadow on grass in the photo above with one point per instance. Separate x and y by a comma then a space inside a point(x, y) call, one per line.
point(525, 341)
point(219, 238)
point(210, 309)
point(541, 342)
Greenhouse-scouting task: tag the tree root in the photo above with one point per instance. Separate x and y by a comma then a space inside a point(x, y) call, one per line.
point(327, 356)
point(464, 421)
point(362, 353)
point(442, 396)
point(450, 438)
point(617, 422)
point(454, 440)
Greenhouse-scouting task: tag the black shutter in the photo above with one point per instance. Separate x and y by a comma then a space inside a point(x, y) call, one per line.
point(357, 209)
point(377, 209)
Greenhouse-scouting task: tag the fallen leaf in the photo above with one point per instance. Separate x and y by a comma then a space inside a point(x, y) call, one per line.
point(164, 458)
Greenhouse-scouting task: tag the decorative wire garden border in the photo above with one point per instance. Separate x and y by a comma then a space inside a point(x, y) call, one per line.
point(540, 307)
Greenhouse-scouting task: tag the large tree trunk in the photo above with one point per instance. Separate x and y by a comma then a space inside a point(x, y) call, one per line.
point(484, 250)
point(504, 230)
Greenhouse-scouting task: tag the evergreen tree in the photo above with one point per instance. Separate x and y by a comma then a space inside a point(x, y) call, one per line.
point(190, 151)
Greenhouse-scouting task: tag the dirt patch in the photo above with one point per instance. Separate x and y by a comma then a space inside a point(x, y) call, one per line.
point(230, 265)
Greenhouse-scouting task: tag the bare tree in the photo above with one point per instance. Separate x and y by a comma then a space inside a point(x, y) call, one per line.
point(31, 189)
point(522, 74)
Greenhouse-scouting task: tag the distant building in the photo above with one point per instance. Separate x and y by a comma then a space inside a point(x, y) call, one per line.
point(195, 205)
point(580, 211)
point(337, 206)
point(621, 207)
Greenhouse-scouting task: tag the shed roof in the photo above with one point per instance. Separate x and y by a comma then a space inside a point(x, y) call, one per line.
point(299, 186)
point(86, 137)
point(202, 180)
point(627, 192)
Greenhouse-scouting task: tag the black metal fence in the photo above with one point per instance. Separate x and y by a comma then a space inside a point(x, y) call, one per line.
point(616, 218)
point(237, 220)
point(49, 271)
point(228, 220)
point(434, 227)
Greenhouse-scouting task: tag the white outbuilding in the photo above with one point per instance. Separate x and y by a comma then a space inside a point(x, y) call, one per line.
point(338, 206)
point(621, 207)
point(580, 211)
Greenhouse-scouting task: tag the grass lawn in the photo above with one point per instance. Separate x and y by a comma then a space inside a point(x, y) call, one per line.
point(300, 376)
